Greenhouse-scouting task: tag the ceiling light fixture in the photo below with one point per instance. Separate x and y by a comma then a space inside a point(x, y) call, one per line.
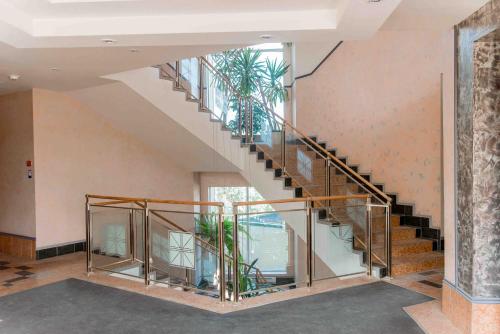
point(108, 41)
point(14, 77)
point(55, 69)
point(374, 1)
point(265, 36)
point(134, 50)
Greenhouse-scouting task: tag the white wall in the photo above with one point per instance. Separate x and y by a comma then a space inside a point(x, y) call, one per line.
point(78, 152)
point(17, 191)
point(378, 101)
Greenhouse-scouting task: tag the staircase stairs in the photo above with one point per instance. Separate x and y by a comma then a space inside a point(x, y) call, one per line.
point(415, 245)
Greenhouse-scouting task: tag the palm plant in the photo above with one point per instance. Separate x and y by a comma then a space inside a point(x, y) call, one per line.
point(249, 76)
point(208, 228)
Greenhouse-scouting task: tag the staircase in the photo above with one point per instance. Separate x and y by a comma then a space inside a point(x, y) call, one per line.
point(303, 165)
point(415, 246)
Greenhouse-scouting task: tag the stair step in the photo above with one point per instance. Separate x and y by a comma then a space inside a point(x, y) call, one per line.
point(407, 247)
point(416, 263)
point(398, 233)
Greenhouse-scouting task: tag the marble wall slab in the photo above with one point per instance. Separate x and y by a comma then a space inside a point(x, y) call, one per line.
point(478, 229)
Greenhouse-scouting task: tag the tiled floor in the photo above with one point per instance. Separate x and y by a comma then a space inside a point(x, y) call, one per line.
point(17, 275)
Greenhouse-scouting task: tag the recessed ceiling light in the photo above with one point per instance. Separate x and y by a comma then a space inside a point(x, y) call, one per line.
point(265, 36)
point(14, 77)
point(108, 41)
point(134, 50)
point(55, 69)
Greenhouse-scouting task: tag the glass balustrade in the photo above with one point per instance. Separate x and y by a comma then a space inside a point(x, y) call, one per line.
point(260, 248)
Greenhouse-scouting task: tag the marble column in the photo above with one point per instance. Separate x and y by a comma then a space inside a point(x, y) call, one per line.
point(472, 298)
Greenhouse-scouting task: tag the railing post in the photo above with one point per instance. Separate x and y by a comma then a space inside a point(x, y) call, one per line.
point(250, 119)
point(177, 74)
point(283, 150)
point(146, 243)
point(222, 265)
point(236, 265)
point(369, 236)
point(240, 107)
point(201, 79)
point(88, 230)
point(388, 240)
point(132, 234)
point(309, 243)
point(327, 180)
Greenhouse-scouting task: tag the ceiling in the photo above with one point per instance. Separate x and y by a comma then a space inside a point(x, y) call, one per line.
point(117, 8)
point(37, 36)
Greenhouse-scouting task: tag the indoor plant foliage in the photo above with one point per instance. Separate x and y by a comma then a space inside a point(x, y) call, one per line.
point(207, 228)
point(250, 76)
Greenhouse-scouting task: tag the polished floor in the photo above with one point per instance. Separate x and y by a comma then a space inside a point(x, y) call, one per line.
point(17, 276)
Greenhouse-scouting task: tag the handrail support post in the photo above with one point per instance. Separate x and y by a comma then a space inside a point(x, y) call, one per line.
point(201, 83)
point(88, 230)
point(146, 227)
point(283, 150)
point(236, 265)
point(309, 255)
point(222, 265)
point(132, 234)
point(388, 240)
point(177, 74)
point(369, 236)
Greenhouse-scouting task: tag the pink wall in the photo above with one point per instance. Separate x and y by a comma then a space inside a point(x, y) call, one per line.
point(378, 102)
point(78, 152)
point(17, 191)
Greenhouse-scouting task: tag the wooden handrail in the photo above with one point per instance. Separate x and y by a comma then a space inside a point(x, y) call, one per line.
point(343, 165)
point(304, 199)
point(154, 200)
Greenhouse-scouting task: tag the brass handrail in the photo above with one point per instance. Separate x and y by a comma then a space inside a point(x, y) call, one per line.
point(153, 200)
point(303, 199)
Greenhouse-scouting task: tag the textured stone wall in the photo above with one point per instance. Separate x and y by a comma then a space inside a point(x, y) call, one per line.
point(477, 154)
point(486, 169)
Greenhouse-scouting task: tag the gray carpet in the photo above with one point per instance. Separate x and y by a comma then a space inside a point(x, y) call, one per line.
point(75, 306)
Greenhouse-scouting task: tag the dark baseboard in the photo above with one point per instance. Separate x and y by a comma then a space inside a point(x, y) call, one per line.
point(60, 250)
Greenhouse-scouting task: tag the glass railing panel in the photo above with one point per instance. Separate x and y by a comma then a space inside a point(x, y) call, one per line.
point(380, 225)
point(113, 229)
point(184, 250)
point(339, 238)
point(272, 249)
point(168, 70)
point(189, 77)
point(221, 101)
point(304, 164)
point(269, 138)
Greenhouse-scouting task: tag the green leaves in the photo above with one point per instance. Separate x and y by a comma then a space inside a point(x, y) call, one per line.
point(253, 77)
point(273, 86)
point(208, 229)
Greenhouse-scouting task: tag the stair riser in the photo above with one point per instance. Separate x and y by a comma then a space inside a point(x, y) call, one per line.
point(424, 265)
point(397, 234)
point(411, 249)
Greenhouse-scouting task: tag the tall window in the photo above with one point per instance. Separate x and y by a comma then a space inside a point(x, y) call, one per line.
point(272, 51)
point(264, 237)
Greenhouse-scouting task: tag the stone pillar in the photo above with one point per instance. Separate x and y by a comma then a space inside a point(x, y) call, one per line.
point(471, 299)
